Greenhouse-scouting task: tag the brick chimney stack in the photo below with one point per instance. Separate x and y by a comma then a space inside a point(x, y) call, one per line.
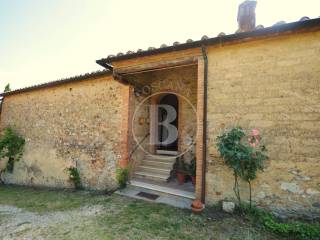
point(247, 16)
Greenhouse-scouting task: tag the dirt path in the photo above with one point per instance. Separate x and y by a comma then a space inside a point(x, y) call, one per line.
point(16, 223)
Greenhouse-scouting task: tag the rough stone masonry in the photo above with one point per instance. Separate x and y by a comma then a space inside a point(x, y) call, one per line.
point(270, 82)
point(75, 124)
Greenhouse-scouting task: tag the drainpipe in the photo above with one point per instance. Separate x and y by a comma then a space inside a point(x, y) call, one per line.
point(205, 103)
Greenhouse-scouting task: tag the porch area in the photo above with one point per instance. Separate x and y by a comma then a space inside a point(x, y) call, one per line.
point(163, 134)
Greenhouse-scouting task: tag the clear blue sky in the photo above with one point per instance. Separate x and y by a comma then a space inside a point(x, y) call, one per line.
point(44, 40)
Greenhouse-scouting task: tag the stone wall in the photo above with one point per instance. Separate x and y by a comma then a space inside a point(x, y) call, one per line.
point(272, 85)
point(74, 124)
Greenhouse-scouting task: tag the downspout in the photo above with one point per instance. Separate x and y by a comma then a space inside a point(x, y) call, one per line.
point(1, 103)
point(204, 134)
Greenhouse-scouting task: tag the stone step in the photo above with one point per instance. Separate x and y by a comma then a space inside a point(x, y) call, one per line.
point(160, 158)
point(156, 170)
point(155, 167)
point(166, 152)
point(159, 164)
point(152, 176)
point(164, 198)
point(161, 189)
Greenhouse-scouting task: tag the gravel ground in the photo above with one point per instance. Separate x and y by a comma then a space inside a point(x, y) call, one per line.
point(20, 224)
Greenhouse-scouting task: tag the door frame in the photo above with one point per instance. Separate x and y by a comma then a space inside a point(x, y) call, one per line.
point(175, 104)
point(154, 118)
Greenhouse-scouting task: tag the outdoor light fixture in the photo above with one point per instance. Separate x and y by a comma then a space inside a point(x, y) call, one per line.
point(137, 92)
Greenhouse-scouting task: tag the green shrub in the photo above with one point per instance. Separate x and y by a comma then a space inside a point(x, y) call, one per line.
point(122, 176)
point(244, 154)
point(11, 147)
point(74, 176)
point(292, 230)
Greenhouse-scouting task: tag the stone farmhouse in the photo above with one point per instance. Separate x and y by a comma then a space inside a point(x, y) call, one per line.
point(259, 77)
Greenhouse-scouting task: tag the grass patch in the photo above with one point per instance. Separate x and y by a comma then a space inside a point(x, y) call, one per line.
point(291, 229)
point(46, 200)
point(125, 218)
point(143, 220)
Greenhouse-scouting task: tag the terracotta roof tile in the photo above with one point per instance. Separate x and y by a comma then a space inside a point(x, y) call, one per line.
point(59, 81)
point(176, 45)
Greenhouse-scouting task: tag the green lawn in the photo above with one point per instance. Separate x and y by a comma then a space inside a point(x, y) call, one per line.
point(57, 214)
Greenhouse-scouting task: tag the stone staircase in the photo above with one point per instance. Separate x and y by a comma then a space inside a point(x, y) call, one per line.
point(151, 177)
point(156, 167)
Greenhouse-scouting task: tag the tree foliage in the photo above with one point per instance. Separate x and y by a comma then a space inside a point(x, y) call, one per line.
point(11, 148)
point(7, 88)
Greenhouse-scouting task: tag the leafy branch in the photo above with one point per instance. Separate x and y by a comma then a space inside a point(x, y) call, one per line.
point(243, 154)
point(11, 149)
point(74, 176)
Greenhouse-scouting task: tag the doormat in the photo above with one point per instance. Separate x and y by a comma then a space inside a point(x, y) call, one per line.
point(148, 195)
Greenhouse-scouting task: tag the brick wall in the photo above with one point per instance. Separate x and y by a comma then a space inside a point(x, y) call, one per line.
point(71, 124)
point(272, 85)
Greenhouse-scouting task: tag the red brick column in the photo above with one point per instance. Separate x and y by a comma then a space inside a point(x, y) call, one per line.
point(153, 123)
point(199, 143)
point(125, 127)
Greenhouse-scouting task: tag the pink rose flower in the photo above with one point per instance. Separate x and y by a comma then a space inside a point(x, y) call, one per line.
point(254, 140)
point(255, 132)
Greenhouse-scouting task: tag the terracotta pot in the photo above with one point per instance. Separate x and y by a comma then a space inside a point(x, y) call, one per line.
point(196, 210)
point(197, 206)
point(181, 178)
point(193, 180)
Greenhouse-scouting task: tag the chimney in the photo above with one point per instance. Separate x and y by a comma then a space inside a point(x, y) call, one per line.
point(247, 16)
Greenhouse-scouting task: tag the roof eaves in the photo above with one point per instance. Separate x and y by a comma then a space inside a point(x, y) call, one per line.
point(59, 82)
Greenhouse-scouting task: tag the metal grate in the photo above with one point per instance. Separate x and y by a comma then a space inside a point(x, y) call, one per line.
point(148, 195)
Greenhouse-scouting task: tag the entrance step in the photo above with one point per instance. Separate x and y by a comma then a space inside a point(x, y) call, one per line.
point(135, 189)
point(155, 167)
point(157, 170)
point(160, 158)
point(162, 189)
point(166, 152)
point(159, 164)
point(152, 176)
